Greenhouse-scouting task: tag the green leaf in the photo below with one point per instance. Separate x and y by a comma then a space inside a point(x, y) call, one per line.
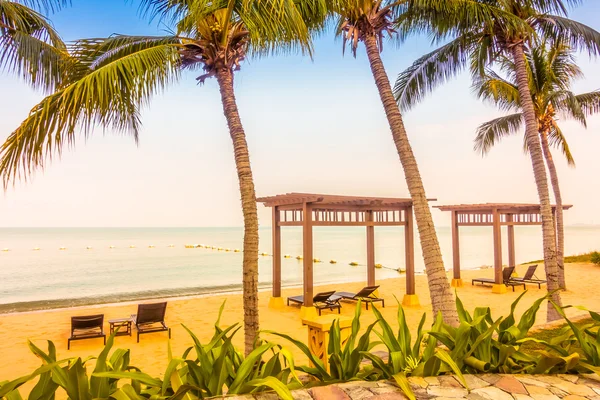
point(404, 385)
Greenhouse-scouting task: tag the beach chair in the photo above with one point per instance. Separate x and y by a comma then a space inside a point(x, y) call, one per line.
point(150, 318)
point(365, 295)
point(86, 327)
point(321, 301)
point(506, 278)
point(530, 277)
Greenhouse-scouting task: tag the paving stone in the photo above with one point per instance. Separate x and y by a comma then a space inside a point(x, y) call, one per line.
point(389, 396)
point(559, 392)
point(569, 377)
point(589, 382)
point(522, 397)
point(474, 382)
point(552, 380)
point(382, 390)
point(449, 381)
point(489, 378)
point(528, 380)
point(597, 390)
point(594, 377)
point(419, 381)
point(574, 388)
point(533, 390)
point(493, 393)
point(421, 394)
point(358, 392)
point(475, 396)
point(432, 380)
point(574, 397)
point(451, 392)
point(266, 396)
point(510, 385)
point(331, 392)
point(301, 394)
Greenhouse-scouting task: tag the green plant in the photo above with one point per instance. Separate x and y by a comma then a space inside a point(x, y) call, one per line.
point(344, 359)
point(595, 258)
point(218, 364)
point(585, 337)
point(72, 377)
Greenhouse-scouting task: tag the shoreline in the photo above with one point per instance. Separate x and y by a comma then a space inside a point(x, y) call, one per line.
point(38, 306)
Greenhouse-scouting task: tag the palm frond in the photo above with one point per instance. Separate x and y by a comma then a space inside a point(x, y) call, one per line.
point(567, 105)
point(431, 71)
point(47, 6)
point(492, 87)
point(579, 36)
point(30, 47)
point(37, 62)
point(109, 94)
point(589, 102)
point(558, 140)
point(491, 132)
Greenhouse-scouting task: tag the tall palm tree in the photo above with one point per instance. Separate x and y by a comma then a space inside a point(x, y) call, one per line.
point(29, 45)
point(112, 78)
point(551, 69)
point(367, 21)
point(485, 30)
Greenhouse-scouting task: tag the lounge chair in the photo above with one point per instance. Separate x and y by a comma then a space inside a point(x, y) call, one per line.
point(150, 318)
point(530, 277)
point(506, 278)
point(365, 295)
point(321, 301)
point(86, 327)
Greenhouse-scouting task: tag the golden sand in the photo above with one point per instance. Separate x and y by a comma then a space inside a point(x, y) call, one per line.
point(200, 313)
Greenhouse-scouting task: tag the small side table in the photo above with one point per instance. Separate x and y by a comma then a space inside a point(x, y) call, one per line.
point(120, 323)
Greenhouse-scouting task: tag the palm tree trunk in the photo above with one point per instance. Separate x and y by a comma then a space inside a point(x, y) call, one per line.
point(560, 229)
point(242, 163)
point(539, 172)
point(442, 299)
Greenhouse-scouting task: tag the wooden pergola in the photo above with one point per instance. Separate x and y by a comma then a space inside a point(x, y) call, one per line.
point(495, 215)
point(308, 210)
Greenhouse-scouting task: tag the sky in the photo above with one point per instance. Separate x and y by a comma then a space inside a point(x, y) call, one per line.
point(312, 126)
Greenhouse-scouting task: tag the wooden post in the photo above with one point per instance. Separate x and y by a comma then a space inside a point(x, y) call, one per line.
point(370, 249)
point(307, 253)
point(456, 281)
point(276, 253)
point(499, 286)
point(410, 298)
point(510, 230)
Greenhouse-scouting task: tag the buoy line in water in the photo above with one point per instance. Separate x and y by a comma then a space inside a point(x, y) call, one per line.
point(316, 260)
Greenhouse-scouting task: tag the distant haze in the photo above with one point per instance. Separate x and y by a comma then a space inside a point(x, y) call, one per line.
point(312, 126)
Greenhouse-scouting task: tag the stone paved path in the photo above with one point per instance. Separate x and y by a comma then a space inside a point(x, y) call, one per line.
point(481, 387)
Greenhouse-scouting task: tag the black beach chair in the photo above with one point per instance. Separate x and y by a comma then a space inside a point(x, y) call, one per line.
point(365, 295)
point(86, 327)
point(530, 277)
point(150, 318)
point(506, 278)
point(321, 301)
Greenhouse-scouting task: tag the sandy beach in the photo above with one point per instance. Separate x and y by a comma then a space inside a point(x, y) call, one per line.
point(199, 314)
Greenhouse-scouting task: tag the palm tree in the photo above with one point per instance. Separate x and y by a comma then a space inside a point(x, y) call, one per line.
point(368, 21)
point(29, 45)
point(112, 78)
point(551, 69)
point(485, 30)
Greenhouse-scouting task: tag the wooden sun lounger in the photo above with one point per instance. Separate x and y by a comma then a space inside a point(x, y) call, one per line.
point(530, 277)
point(86, 327)
point(150, 318)
point(321, 301)
point(506, 277)
point(365, 295)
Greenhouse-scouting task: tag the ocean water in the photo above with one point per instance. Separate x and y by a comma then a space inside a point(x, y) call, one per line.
point(36, 274)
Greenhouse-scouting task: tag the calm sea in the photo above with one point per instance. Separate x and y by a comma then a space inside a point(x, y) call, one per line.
point(36, 274)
